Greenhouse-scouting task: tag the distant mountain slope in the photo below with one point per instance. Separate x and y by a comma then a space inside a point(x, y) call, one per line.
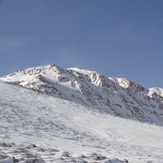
point(85, 134)
point(116, 96)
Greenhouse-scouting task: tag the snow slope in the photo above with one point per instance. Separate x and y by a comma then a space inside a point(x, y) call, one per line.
point(116, 96)
point(30, 117)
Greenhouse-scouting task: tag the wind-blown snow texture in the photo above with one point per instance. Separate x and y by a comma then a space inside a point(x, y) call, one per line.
point(80, 125)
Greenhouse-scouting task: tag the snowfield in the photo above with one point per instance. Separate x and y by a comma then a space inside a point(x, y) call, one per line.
point(42, 128)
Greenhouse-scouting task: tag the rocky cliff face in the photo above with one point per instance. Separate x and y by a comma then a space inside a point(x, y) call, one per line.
point(116, 96)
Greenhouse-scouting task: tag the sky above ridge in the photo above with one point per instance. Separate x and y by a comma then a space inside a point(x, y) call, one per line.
point(117, 38)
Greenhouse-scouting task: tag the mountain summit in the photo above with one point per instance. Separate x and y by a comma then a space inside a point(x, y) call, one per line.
point(116, 96)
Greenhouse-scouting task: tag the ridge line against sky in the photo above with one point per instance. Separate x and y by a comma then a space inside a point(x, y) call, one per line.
point(115, 38)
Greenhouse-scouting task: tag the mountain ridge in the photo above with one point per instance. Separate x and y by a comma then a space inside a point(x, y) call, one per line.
point(116, 96)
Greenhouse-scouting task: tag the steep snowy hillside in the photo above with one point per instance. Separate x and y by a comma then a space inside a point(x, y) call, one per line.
point(85, 134)
point(116, 96)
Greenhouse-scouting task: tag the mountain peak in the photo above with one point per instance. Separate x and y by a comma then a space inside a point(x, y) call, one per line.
point(156, 90)
point(116, 96)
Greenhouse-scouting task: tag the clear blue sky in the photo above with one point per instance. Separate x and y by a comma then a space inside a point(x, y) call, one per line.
point(118, 38)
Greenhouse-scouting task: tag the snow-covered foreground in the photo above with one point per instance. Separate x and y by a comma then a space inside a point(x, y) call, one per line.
point(29, 117)
point(32, 154)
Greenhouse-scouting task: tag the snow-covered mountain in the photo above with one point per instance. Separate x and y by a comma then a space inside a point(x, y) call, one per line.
point(156, 90)
point(36, 127)
point(116, 96)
